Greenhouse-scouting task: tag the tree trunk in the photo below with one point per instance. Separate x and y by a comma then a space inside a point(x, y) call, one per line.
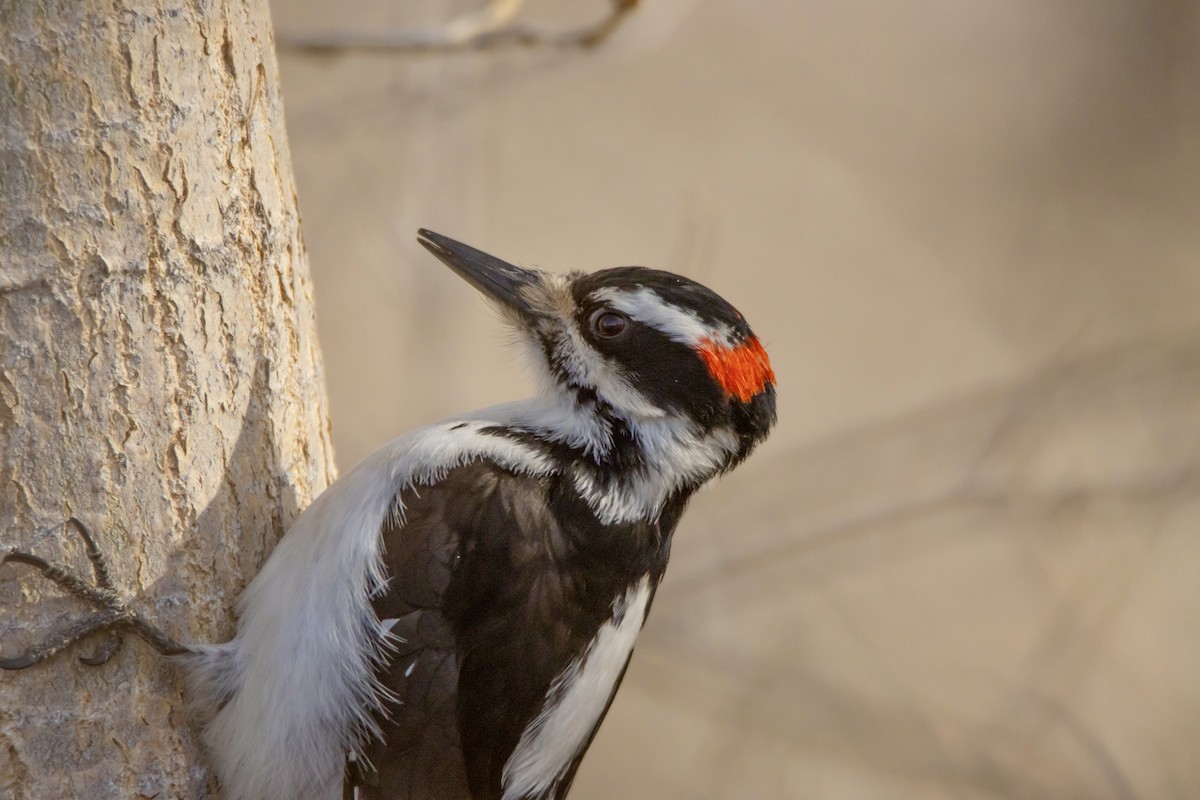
point(159, 371)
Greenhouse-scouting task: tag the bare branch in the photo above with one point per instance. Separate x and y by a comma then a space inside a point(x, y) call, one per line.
point(488, 29)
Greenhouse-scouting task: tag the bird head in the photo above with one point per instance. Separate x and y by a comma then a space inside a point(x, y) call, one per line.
point(643, 348)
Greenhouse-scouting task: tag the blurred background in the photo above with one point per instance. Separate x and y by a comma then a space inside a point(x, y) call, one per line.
point(967, 565)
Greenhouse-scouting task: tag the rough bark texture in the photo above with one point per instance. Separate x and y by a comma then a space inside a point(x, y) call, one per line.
point(159, 372)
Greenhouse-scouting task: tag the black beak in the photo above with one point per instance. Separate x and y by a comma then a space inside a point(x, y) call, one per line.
point(497, 279)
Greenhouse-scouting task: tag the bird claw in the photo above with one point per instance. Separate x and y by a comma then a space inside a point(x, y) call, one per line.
point(104, 652)
point(18, 662)
point(113, 615)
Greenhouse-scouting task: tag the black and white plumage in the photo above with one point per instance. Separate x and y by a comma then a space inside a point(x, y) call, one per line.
point(451, 619)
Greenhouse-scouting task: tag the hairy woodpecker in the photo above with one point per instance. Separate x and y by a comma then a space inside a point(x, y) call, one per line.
point(451, 619)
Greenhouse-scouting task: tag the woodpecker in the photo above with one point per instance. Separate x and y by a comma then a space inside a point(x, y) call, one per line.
point(451, 619)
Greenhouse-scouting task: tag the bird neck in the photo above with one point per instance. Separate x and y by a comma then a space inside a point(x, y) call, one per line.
point(624, 468)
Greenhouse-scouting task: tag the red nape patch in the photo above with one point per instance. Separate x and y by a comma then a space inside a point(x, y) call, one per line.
point(742, 371)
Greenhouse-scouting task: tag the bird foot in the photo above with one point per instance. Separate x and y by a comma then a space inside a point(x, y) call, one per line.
point(112, 616)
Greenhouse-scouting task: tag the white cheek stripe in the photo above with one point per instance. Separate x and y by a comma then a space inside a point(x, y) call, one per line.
point(578, 697)
point(679, 324)
point(592, 369)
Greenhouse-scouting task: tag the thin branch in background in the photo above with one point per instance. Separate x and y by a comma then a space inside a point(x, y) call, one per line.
point(488, 29)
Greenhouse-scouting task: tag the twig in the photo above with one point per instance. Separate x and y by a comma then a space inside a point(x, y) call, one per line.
point(486, 30)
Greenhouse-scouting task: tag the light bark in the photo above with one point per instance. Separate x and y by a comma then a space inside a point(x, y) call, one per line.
point(159, 371)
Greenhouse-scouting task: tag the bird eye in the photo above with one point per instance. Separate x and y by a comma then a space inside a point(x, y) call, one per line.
point(608, 324)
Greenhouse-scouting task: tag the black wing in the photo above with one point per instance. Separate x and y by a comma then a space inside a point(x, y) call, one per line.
point(419, 756)
point(496, 583)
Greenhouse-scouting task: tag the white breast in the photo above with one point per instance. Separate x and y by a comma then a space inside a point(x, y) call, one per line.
point(577, 698)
